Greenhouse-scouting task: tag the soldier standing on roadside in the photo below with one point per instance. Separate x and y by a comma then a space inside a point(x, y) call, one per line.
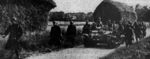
point(55, 35)
point(137, 31)
point(93, 27)
point(99, 22)
point(120, 30)
point(86, 28)
point(143, 29)
point(15, 32)
point(128, 32)
point(71, 33)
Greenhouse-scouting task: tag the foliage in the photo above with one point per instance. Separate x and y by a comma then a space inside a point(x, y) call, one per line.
point(141, 12)
point(147, 16)
point(34, 40)
point(61, 16)
point(31, 16)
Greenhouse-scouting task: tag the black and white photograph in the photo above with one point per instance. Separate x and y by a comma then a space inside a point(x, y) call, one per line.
point(74, 29)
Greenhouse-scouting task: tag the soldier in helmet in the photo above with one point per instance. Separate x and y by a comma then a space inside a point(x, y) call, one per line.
point(15, 32)
point(55, 35)
point(120, 28)
point(128, 32)
point(93, 27)
point(71, 33)
point(86, 28)
point(143, 29)
point(137, 31)
point(99, 22)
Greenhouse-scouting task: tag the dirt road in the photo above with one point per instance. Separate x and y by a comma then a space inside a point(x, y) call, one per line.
point(75, 53)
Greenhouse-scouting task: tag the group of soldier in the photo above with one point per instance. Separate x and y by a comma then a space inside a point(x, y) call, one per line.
point(133, 32)
point(129, 30)
point(56, 38)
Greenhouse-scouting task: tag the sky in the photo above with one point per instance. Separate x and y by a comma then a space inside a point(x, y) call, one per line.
point(89, 5)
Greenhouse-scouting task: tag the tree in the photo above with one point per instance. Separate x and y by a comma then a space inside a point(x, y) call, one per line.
point(146, 16)
point(141, 11)
point(31, 14)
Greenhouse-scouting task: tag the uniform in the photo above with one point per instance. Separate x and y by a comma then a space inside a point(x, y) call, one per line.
point(15, 32)
point(86, 29)
point(143, 30)
point(128, 32)
point(137, 31)
point(71, 34)
point(55, 36)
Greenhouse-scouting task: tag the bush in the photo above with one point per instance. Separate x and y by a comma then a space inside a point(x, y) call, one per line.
point(34, 40)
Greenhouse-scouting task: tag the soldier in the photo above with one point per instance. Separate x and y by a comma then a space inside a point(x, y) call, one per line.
point(114, 25)
point(55, 35)
point(120, 29)
point(99, 22)
point(137, 31)
point(86, 28)
point(93, 27)
point(15, 32)
point(71, 33)
point(109, 23)
point(128, 32)
point(143, 29)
